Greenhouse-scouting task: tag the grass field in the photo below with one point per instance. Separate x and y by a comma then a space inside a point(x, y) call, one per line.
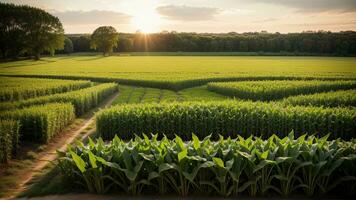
point(180, 72)
point(179, 66)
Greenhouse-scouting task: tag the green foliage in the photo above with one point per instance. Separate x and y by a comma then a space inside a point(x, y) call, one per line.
point(41, 123)
point(228, 118)
point(272, 90)
point(180, 72)
point(14, 89)
point(28, 29)
point(68, 46)
point(104, 38)
point(131, 94)
point(9, 136)
point(327, 99)
point(231, 167)
point(82, 100)
point(236, 44)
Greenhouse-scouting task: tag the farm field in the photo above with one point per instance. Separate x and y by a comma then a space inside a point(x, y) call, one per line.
point(177, 100)
point(239, 121)
point(179, 72)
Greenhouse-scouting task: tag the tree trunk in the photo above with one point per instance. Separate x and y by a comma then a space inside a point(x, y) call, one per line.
point(3, 53)
point(37, 56)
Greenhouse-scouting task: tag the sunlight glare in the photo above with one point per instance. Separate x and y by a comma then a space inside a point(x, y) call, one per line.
point(147, 21)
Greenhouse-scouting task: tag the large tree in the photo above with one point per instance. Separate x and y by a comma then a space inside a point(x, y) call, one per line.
point(25, 29)
point(104, 38)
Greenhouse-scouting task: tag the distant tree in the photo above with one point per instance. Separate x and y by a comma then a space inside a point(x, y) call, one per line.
point(104, 38)
point(125, 45)
point(336, 43)
point(81, 43)
point(25, 29)
point(68, 46)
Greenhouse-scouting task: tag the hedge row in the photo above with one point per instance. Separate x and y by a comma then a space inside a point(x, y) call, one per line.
point(41, 123)
point(272, 90)
point(15, 89)
point(345, 98)
point(251, 167)
point(229, 118)
point(83, 99)
point(188, 81)
point(9, 137)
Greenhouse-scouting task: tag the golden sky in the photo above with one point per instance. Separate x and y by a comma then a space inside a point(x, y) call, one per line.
point(83, 16)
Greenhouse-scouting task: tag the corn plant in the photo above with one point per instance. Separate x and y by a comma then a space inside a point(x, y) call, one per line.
point(229, 118)
point(9, 136)
point(341, 98)
point(273, 90)
point(82, 100)
point(41, 123)
point(14, 89)
point(227, 167)
point(183, 80)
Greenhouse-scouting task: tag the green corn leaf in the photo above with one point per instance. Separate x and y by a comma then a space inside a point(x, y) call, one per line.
point(92, 159)
point(183, 154)
point(180, 142)
point(264, 155)
point(218, 162)
point(196, 142)
point(91, 143)
point(166, 166)
point(146, 138)
point(78, 161)
point(153, 175)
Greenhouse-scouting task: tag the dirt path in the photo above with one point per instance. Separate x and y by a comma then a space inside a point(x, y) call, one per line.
point(49, 154)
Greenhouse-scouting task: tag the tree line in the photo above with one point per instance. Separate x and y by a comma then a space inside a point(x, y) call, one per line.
point(321, 42)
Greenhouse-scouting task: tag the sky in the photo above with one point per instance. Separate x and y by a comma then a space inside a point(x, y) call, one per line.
point(212, 16)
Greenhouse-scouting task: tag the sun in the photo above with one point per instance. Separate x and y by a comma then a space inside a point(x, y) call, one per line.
point(147, 21)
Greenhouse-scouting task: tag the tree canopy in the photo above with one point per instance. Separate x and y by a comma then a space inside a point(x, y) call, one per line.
point(104, 38)
point(28, 30)
point(68, 46)
point(305, 43)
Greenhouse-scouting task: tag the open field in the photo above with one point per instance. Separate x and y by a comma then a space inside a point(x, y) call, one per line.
point(182, 95)
point(178, 72)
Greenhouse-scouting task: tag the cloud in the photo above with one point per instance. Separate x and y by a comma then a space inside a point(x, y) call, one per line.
point(182, 12)
point(315, 5)
point(92, 17)
point(266, 20)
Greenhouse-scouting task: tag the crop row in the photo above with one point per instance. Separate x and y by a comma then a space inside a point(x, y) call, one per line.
point(41, 123)
point(167, 81)
point(229, 118)
point(9, 137)
point(328, 99)
point(14, 89)
point(232, 167)
point(273, 90)
point(83, 99)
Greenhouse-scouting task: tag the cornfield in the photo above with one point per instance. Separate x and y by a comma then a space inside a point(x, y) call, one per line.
point(14, 89)
point(179, 81)
point(41, 123)
point(328, 99)
point(83, 99)
point(9, 137)
point(255, 167)
point(273, 90)
point(229, 118)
